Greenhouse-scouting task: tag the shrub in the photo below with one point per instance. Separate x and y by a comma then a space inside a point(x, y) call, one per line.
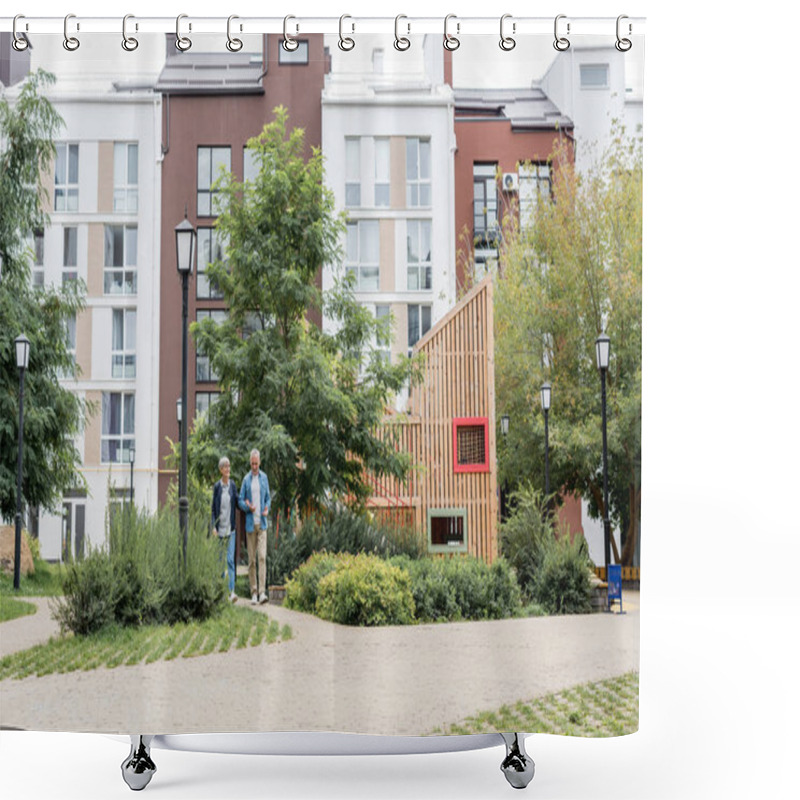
point(303, 587)
point(525, 536)
point(563, 582)
point(366, 590)
point(89, 595)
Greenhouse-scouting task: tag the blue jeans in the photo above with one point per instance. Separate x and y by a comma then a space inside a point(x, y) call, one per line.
point(228, 546)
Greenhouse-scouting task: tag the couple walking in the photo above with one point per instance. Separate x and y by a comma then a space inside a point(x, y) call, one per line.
point(254, 500)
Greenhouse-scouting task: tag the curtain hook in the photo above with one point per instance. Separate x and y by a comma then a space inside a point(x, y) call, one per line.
point(623, 45)
point(290, 44)
point(401, 42)
point(561, 43)
point(183, 43)
point(19, 40)
point(451, 42)
point(71, 43)
point(507, 42)
point(346, 42)
point(129, 43)
point(233, 44)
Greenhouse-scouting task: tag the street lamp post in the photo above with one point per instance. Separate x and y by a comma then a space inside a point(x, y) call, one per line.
point(184, 245)
point(132, 459)
point(23, 348)
point(602, 346)
point(546, 393)
point(504, 421)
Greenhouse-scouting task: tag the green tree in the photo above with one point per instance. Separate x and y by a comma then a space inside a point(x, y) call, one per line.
point(310, 401)
point(574, 274)
point(53, 414)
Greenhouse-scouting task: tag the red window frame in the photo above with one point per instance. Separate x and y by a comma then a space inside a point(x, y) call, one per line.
point(459, 422)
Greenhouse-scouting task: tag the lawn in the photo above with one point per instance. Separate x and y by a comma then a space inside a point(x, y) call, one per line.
point(10, 608)
point(45, 581)
point(604, 708)
point(114, 646)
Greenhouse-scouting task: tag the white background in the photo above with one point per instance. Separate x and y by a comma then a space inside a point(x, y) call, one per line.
point(719, 696)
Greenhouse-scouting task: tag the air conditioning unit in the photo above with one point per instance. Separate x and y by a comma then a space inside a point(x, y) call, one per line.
point(510, 182)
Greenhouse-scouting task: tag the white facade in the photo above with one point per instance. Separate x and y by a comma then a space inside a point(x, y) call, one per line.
point(105, 227)
point(381, 111)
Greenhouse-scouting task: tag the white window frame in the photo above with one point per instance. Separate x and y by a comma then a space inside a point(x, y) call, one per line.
point(418, 179)
point(37, 269)
point(419, 274)
point(127, 270)
point(65, 196)
point(352, 172)
point(423, 329)
point(208, 203)
point(383, 177)
point(123, 359)
point(209, 399)
point(381, 310)
point(201, 360)
point(204, 290)
point(534, 184)
point(355, 261)
point(126, 186)
point(126, 436)
point(69, 255)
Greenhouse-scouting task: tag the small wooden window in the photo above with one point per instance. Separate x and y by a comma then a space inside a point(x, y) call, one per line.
point(447, 530)
point(471, 444)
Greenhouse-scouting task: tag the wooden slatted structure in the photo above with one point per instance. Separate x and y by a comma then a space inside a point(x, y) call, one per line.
point(457, 387)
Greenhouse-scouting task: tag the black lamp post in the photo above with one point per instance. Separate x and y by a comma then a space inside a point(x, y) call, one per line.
point(23, 348)
point(179, 414)
point(546, 393)
point(603, 345)
point(504, 420)
point(184, 245)
point(132, 459)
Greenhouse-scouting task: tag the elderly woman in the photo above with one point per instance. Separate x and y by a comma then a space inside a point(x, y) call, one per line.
point(223, 519)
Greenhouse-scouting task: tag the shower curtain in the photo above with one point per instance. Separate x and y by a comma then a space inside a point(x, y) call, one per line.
point(360, 453)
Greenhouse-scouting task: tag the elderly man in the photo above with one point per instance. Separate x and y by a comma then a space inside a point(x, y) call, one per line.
point(254, 500)
point(223, 520)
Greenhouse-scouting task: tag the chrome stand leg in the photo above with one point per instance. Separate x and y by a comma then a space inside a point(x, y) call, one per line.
point(138, 768)
point(518, 766)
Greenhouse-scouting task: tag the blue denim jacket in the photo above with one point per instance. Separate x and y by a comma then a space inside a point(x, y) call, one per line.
point(245, 495)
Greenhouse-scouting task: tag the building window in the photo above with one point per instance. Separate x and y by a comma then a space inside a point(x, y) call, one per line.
point(203, 372)
point(382, 173)
point(66, 177)
point(594, 76)
point(418, 237)
point(363, 254)
point(298, 56)
point(250, 165)
point(38, 258)
point(126, 177)
point(123, 343)
point(69, 272)
point(209, 162)
point(117, 433)
point(419, 323)
point(447, 530)
point(383, 312)
point(71, 344)
point(534, 185)
point(203, 401)
point(352, 161)
point(484, 194)
point(210, 247)
point(119, 274)
point(471, 444)
point(418, 173)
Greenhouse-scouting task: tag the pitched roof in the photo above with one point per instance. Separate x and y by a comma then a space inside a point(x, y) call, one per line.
point(526, 109)
point(211, 73)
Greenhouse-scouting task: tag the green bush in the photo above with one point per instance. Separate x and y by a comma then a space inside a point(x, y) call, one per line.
point(303, 587)
point(90, 595)
point(366, 590)
point(563, 581)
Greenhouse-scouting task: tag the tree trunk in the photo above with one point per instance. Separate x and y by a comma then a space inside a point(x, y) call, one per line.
point(635, 501)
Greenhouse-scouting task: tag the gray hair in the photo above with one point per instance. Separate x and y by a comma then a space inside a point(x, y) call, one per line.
point(255, 452)
point(224, 462)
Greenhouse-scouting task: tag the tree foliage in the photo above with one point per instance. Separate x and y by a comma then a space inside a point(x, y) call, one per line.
point(53, 415)
point(576, 273)
point(309, 400)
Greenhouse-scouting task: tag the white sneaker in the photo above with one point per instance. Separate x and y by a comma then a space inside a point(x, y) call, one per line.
point(254, 600)
point(234, 597)
point(262, 598)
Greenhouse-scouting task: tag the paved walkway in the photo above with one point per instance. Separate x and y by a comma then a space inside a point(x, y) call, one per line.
point(404, 680)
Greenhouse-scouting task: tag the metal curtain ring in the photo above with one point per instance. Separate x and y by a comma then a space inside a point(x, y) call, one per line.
point(183, 43)
point(70, 42)
point(623, 45)
point(401, 42)
point(507, 42)
point(289, 43)
point(129, 43)
point(345, 42)
point(561, 43)
point(233, 44)
point(451, 42)
point(19, 41)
